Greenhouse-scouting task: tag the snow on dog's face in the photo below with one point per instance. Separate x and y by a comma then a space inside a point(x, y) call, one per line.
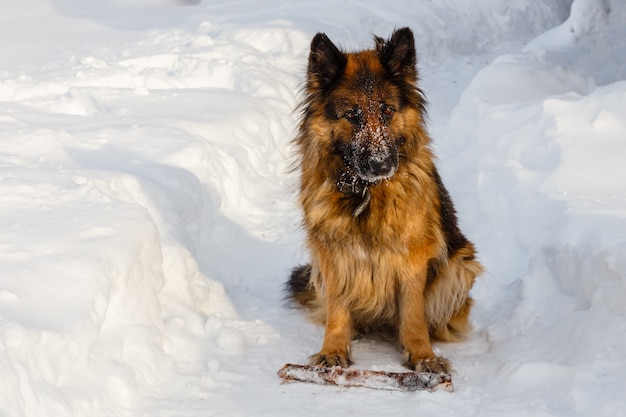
point(365, 97)
point(363, 136)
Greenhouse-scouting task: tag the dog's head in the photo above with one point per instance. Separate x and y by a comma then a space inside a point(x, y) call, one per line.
point(369, 99)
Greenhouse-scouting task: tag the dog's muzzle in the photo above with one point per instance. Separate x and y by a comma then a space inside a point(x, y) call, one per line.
point(376, 166)
point(380, 168)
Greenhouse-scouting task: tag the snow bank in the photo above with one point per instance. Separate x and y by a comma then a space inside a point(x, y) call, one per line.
point(116, 172)
point(542, 132)
point(546, 157)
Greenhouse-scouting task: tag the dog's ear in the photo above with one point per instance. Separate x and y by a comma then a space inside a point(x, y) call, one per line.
point(397, 55)
point(326, 62)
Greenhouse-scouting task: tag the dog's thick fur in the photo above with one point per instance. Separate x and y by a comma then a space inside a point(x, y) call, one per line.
point(381, 229)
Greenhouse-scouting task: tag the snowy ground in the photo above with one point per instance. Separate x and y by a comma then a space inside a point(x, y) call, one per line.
point(147, 216)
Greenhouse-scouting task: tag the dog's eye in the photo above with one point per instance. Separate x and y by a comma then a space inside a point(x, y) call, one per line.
point(353, 115)
point(387, 112)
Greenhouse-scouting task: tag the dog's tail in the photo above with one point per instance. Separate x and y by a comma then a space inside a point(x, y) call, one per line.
point(299, 286)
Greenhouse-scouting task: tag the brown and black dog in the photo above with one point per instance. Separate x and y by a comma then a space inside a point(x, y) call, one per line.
point(386, 251)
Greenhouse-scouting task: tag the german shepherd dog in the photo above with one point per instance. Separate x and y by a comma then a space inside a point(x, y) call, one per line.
point(386, 251)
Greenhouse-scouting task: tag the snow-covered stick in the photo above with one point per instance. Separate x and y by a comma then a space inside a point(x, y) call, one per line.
point(397, 381)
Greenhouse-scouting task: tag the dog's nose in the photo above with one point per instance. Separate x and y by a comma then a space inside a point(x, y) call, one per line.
point(380, 167)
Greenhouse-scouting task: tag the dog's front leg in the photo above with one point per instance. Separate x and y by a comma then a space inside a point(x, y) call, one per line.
point(336, 348)
point(414, 337)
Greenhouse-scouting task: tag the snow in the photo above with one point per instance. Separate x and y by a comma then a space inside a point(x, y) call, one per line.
point(148, 217)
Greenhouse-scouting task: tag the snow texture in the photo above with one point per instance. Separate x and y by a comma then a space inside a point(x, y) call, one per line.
point(148, 213)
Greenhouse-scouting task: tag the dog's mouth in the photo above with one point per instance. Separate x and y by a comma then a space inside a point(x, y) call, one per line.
point(368, 172)
point(371, 172)
point(351, 184)
point(365, 164)
point(377, 165)
point(364, 167)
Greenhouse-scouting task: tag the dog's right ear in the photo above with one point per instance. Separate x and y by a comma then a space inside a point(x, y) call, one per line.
point(326, 62)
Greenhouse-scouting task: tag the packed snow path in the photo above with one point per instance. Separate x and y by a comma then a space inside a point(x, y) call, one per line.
point(148, 216)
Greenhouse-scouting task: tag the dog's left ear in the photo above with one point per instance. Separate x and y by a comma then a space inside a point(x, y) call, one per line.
point(397, 55)
point(326, 62)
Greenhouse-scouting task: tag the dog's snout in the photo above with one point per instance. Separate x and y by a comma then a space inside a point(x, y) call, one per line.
point(372, 154)
point(380, 167)
point(375, 167)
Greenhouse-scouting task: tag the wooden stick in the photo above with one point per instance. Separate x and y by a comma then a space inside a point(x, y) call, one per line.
point(398, 381)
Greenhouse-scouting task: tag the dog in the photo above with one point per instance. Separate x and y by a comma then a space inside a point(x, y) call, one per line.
point(386, 251)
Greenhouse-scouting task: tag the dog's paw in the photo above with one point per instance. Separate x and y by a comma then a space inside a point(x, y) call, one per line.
point(330, 359)
point(435, 365)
